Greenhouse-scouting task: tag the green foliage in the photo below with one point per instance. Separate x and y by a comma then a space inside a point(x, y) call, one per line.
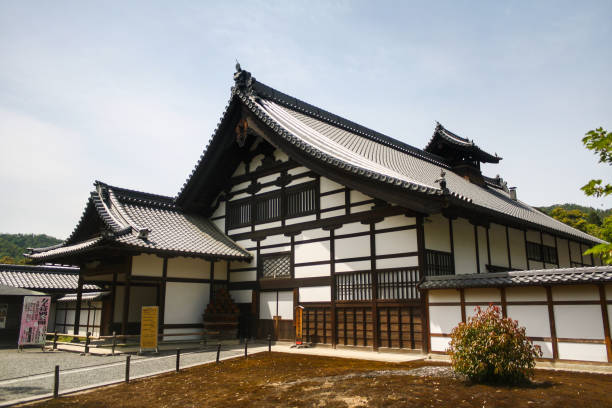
point(600, 142)
point(490, 348)
point(13, 246)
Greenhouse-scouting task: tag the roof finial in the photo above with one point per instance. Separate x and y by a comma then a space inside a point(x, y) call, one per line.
point(442, 181)
point(243, 79)
point(238, 68)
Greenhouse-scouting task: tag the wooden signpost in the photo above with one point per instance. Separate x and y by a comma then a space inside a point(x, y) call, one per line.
point(149, 328)
point(298, 324)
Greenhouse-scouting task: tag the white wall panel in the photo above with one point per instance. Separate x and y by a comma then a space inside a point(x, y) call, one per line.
point(221, 270)
point(195, 268)
point(586, 259)
point(285, 304)
point(298, 220)
point(268, 178)
point(312, 234)
point(395, 221)
point(444, 295)
point(328, 185)
point(311, 252)
point(331, 214)
point(220, 211)
point(300, 181)
point(533, 317)
point(185, 302)
point(575, 292)
point(357, 196)
point(352, 228)
point(140, 296)
point(396, 242)
point(279, 155)
point(517, 248)
point(608, 289)
point(497, 241)
point(243, 276)
point(274, 240)
point(239, 196)
point(579, 321)
point(147, 265)
point(401, 262)
point(564, 261)
point(548, 239)
point(267, 305)
point(240, 186)
point(195, 336)
point(485, 295)
point(267, 189)
point(242, 295)
point(465, 247)
point(581, 351)
point(437, 235)
point(256, 162)
point(267, 225)
point(440, 343)
point(361, 208)
point(470, 310)
point(315, 294)
point(312, 271)
point(273, 250)
point(352, 247)
point(533, 236)
point(333, 200)
point(353, 266)
point(297, 170)
point(442, 319)
point(546, 347)
point(529, 294)
point(220, 224)
point(576, 251)
point(483, 257)
point(238, 230)
point(240, 170)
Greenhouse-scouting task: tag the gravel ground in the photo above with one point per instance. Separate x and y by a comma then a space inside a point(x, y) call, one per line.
point(78, 371)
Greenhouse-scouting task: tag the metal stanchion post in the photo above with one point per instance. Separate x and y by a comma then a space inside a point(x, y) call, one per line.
point(114, 343)
point(218, 351)
point(127, 368)
point(246, 346)
point(56, 382)
point(269, 343)
point(55, 341)
point(87, 342)
point(178, 359)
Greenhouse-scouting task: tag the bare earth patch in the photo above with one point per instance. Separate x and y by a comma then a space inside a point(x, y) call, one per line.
point(289, 380)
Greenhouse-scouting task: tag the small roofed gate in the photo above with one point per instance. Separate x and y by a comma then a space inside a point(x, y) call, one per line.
point(392, 320)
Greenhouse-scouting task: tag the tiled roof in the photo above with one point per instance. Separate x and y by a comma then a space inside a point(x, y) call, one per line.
point(150, 222)
point(41, 277)
point(445, 136)
point(72, 297)
point(12, 291)
point(590, 274)
point(350, 147)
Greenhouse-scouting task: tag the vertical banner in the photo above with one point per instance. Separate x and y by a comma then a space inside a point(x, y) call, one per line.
point(34, 318)
point(298, 324)
point(149, 328)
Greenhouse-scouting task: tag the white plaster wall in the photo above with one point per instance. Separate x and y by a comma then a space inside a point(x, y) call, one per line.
point(147, 265)
point(608, 290)
point(328, 185)
point(353, 266)
point(352, 247)
point(499, 249)
point(334, 213)
point(548, 239)
point(242, 295)
point(311, 271)
point(315, 294)
point(352, 228)
point(575, 292)
point(240, 170)
point(279, 155)
point(517, 248)
point(564, 261)
point(195, 268)
point(581, 351)
point(267, 225)
point(361, 208)
point(444, 295)
point(311, 252)
point(576, 252)
point(267, 189)
point(221, 270)
point(185, 302)
point(440, 343)
point(298, 220)
point(195, 336)
point(220, 211)
point(485, 295)
point(238, 230)
point(240, 186)
point(333, 200)
point(465, 249)
point(220, 224)
point(311, 234)
point(357, 196)
point(579, 321)
point(297, 170)
point(401, 262)
point(483, 257)
point(140, 296)
point(470, 310)
point(442, 319)
point(285, 304)
point(256, 162)
point(239, 196)
point(300, 181)
point(286, 248)
point(586, 259)
point(546, 347)
point(533, 317)
point(396, 242)
point(533, 236)
point(437, 235)
point(268, 178)
point(274, 240)
point(395, 221)
point(267, 305)
point(529, 294)
point(243, 276)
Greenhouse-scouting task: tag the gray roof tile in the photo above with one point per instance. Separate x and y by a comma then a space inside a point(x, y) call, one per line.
point(41, 277)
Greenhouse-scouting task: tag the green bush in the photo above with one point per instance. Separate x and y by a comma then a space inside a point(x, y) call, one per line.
point(493, 349)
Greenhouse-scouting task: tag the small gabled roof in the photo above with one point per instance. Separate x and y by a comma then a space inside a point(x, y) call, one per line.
point(44, 278)
point(12, 291)
point(310, 134)
point(143, 221)
point(443, 141)
point(560, 276)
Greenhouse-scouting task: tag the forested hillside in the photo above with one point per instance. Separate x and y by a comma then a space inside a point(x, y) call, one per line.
point(587, 219)
point(12, 246)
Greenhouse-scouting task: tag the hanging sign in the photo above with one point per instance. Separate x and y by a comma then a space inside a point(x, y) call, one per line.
point(149, 328)
point(34, 319)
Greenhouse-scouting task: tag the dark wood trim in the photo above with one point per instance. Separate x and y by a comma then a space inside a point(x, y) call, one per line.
point(276, 284)
point(526, 251)
point(488, 245)
point(551, 319)
point(332, 271)
point(126, 299)
point(504, 304)
point(375, 328)
point(606, 321)
point(183, 326)
point(462, 304)
point(542, 250)
point(211, 291)
point(476, 245)
point(162, 303)
point(77, 313)
point(113, 298)
point(508, 248)
point(569, 252)
point(424, 309)
point(332, 192)
point(347, 201)
point(452, 242)
point(556, 250)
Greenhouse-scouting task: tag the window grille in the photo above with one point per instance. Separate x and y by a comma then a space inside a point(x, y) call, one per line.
point(301, 201)
point(398, 284)
point(354, 286)
point(276, 266)
point(439, 263)
point(541, 253)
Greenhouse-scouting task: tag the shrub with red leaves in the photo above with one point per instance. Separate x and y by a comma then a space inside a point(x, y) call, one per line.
point(492, 349)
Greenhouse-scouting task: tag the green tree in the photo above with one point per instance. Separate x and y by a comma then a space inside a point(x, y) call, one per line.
point(600, 142)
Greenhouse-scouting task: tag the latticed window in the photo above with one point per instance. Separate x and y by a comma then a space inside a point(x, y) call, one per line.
point(541, 253)
point(276, 266)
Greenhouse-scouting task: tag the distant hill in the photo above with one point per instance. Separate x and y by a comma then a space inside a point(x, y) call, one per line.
point(587, 210)
point(12, 246)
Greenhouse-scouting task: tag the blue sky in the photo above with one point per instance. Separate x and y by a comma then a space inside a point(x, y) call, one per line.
point(130, 92)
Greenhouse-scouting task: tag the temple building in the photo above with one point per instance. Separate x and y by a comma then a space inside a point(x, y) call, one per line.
point(290, 205)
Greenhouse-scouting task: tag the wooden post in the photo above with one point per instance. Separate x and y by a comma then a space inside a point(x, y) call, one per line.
point(114, 343)
point(606, 321)
point(77, 312)
point(462, 299)
point(375, 328)
point(551, 319)
point(246, 347)
point(477, 251)
point(87, 342)
point(113, 300)
point(504, 305)
point(55, 340)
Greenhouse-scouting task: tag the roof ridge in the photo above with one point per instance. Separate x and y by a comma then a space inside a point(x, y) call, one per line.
point(41, 268)
point(126, 192)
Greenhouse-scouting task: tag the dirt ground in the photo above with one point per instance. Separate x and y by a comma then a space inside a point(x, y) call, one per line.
point(289, 380)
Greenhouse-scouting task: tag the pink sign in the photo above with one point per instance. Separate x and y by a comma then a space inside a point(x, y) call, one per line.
point(34, 318)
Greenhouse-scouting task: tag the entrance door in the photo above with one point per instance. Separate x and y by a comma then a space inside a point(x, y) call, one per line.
point(276, 315)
